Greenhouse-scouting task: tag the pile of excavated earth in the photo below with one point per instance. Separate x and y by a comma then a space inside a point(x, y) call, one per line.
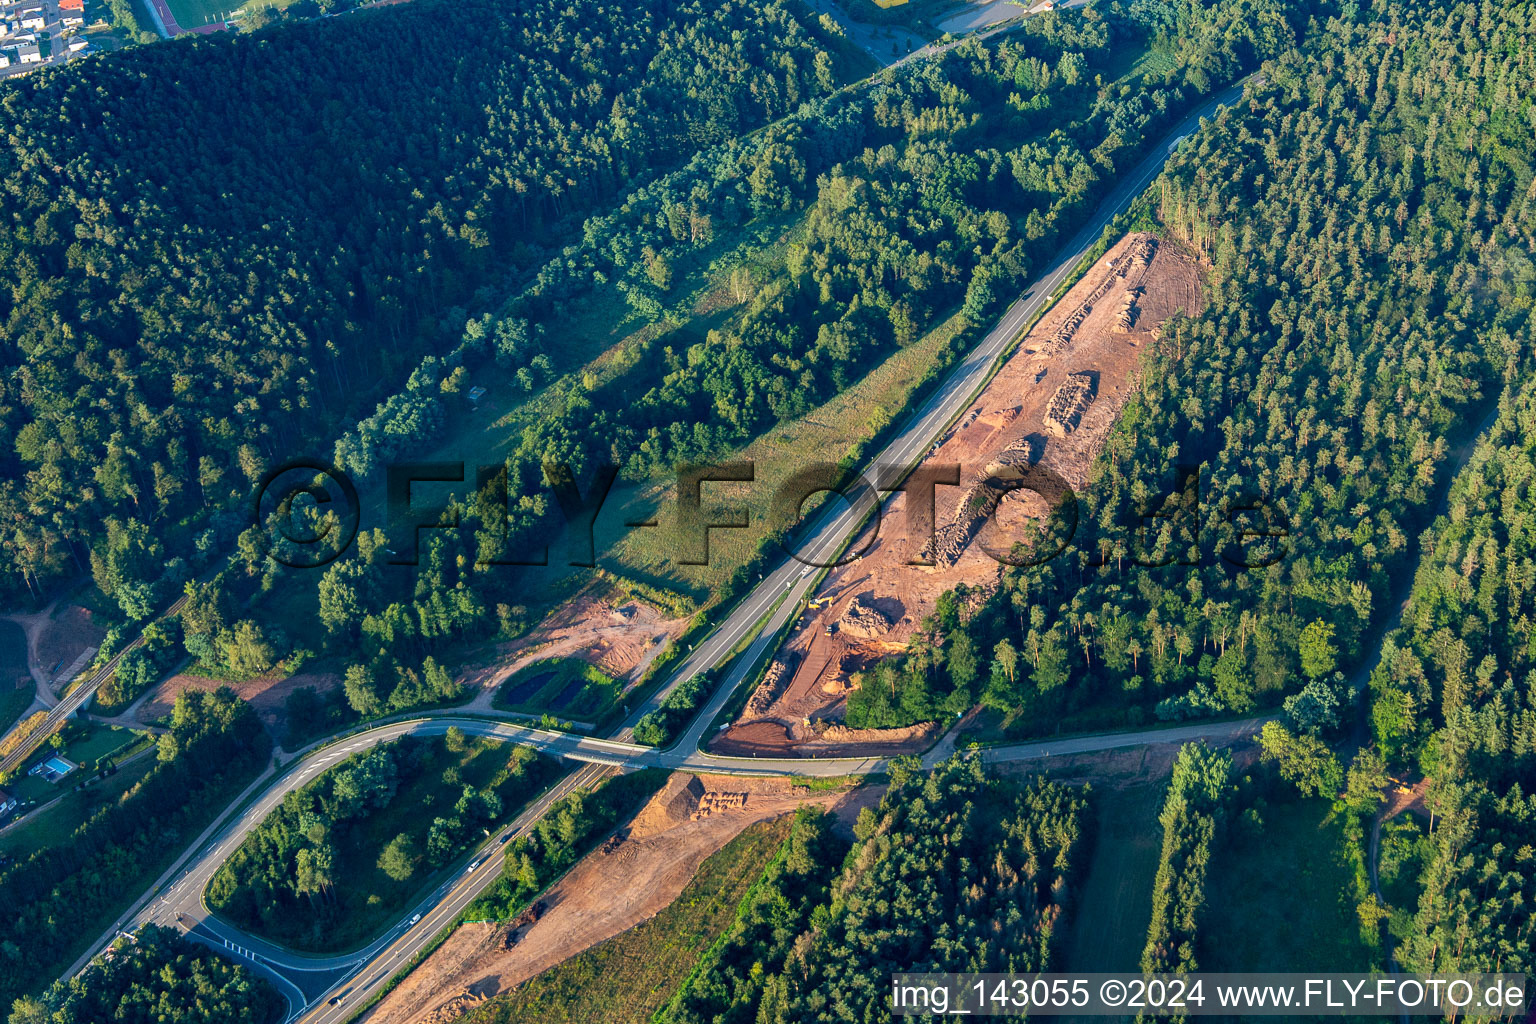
point(628, 879)
point(1033, 432)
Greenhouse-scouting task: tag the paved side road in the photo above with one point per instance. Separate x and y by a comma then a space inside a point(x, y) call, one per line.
point(777, 594)
point(794, 579)
point(308, 981)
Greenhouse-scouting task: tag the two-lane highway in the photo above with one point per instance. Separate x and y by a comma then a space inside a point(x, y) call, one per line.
point(311, 983)
point(356, 977)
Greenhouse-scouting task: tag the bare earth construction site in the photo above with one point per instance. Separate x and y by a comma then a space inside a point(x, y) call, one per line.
point(1051, 405)
point(639, 871)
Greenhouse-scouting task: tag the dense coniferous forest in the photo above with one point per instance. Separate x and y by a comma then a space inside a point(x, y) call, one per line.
point(157, 977)
point(727, 984)
point(201, 280)
point(1192, 817)
point(59, 896)
point(1456, 696)
point(953, 872)
point(1366, 213)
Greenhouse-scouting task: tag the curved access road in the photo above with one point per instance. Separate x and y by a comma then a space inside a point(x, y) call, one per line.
point(312, 981)
point(331, 988)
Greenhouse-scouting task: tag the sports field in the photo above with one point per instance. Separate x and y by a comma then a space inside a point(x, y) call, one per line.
point(186, 15)
point(189, 15)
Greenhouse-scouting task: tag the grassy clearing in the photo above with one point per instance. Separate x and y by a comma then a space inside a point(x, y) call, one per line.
point(1281, 897)
point(569, 687)
point(597, 341)
point(1114, 909)
point(628, 978)
point(827, 434)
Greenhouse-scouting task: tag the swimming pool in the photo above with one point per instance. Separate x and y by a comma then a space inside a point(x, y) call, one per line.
point(53, 769)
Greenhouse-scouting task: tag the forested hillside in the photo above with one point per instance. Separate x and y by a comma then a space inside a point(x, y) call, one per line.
point(939, 187)
point(1366, 213)
point(201, 278)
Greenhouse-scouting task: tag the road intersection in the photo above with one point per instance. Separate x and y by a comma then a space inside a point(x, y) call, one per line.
point(308, 982)
point(328, 990)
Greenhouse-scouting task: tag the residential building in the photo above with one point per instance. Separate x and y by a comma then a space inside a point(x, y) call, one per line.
point(29, 53)
point(7, 802)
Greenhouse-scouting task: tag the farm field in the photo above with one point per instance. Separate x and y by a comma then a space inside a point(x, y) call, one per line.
point(628, 978)
point(434, 778)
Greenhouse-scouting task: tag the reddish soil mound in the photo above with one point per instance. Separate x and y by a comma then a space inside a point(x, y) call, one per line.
point(1052, 404)
point(612, 890)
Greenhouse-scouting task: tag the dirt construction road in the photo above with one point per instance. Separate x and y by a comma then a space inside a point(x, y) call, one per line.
point(609, 892)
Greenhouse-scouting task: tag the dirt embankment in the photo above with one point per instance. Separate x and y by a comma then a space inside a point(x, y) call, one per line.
point(822, 739)
point(1051, 405)
point(268, 694)
point(620, 637)
point(625, 882)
